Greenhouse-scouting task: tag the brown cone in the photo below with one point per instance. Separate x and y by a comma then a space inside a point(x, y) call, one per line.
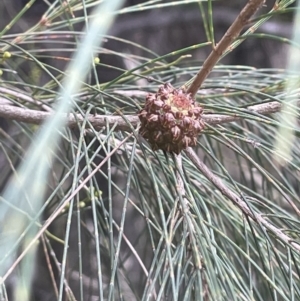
point(171, 119)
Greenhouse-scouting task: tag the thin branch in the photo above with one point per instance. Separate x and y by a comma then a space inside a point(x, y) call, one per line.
point(180, 184)
point(231, 34)
point(100, 121)
point(185, 210)
point(26, 98)
point(217, 182)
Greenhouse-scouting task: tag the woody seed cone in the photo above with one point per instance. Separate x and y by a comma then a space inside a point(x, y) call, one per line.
point(171, 119)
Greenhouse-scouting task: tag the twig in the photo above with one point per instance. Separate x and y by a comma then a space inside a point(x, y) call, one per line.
point(217, 182)
point(185, 210)
point(100, 121)
point(231, 34)
point(25, 98)
point(180, 184)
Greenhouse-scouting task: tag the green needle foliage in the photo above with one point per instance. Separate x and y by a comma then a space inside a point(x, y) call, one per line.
point(89, 212)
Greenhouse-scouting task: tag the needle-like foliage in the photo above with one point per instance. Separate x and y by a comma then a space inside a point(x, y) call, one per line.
point(88, 211)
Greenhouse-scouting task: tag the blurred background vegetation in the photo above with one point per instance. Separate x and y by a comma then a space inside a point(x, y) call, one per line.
point(124, 234)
